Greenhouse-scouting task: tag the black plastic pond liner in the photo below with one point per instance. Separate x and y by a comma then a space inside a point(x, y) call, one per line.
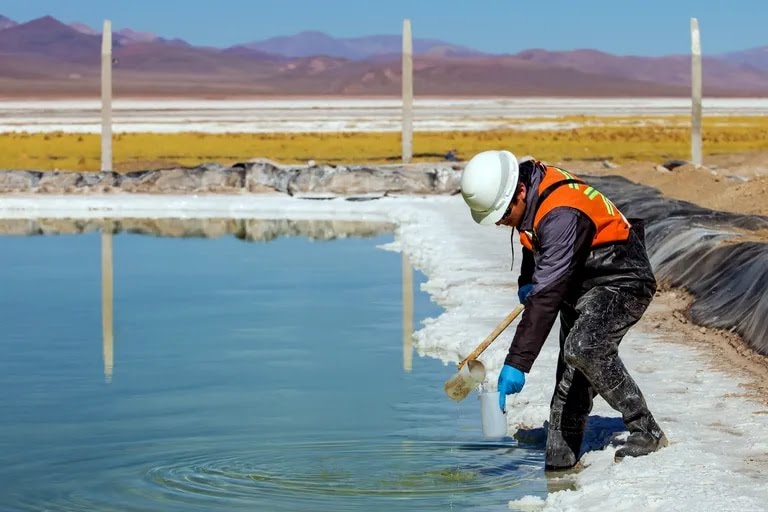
point(700, 250)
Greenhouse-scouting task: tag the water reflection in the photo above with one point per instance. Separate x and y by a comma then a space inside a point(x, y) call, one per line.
point(262, 230)
point(244, 229)
point(106, 303)
point(407, 314)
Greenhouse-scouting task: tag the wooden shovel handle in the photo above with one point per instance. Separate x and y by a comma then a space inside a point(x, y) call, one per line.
point(495, 334)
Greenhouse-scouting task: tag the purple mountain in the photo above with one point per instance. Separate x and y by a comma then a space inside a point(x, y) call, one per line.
point(49, 37)
point(312, 43)
point(755, 57)
point(84, 29)
point(6, 22)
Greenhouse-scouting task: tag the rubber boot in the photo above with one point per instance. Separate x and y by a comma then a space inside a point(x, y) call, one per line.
point(645, 437)
point(563, 449)
point(564, 437)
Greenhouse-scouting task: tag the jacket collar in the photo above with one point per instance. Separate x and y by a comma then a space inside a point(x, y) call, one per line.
point(532, 197)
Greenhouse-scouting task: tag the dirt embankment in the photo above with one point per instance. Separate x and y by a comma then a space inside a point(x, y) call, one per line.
point(734, 183)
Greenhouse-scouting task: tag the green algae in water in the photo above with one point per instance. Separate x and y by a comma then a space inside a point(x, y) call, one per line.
point(454, 475)
point(430, 478)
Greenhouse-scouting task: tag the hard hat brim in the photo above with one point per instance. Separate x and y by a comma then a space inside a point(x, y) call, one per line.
point(490, 217)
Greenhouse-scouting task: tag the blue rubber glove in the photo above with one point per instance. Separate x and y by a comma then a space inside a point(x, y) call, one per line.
point(511, 381)
point(523, 292)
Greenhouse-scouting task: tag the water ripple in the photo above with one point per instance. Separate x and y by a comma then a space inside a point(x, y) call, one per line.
point(326, 472)
point(334, 475)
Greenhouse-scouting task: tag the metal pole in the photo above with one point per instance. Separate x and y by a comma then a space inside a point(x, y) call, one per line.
point(407, 92)
point(106, 97)
point(696, 143)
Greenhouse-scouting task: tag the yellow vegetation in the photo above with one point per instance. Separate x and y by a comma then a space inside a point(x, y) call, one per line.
point(618, 139)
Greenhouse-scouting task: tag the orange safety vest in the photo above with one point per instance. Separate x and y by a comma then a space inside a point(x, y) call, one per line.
point(561, 188)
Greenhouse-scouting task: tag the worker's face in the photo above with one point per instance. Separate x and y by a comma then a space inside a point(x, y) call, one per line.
point(513, 216)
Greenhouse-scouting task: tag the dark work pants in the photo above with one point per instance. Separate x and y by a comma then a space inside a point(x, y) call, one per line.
point(589, 364)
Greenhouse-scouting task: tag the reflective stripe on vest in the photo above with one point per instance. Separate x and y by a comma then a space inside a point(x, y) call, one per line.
point(611, 225)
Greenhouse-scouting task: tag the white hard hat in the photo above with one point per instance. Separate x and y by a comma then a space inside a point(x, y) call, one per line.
point(488, 184)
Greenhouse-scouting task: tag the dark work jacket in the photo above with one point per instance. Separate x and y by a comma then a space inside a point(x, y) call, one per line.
point(565, 266)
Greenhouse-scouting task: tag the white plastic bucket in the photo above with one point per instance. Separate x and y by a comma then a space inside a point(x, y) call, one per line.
point(493, 419)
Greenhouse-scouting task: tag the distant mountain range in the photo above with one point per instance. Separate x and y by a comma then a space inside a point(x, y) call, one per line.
point(312, 44)
point(46, 57)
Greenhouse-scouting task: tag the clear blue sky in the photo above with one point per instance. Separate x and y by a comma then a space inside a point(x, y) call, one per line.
point(636, 27)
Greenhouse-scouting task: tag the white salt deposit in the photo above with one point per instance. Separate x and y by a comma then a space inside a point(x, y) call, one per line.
point(718, 456)
point(342, 115)
point(527, 503)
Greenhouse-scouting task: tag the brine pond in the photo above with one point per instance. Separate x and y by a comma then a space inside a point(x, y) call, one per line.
point(174, 365)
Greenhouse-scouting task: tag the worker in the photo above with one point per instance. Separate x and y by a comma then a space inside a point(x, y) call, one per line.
point(582, 258)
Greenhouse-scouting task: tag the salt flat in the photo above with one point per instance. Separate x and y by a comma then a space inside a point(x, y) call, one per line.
point(343, 114)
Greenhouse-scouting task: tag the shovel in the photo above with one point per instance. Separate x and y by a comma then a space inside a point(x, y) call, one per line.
point(471, 372)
